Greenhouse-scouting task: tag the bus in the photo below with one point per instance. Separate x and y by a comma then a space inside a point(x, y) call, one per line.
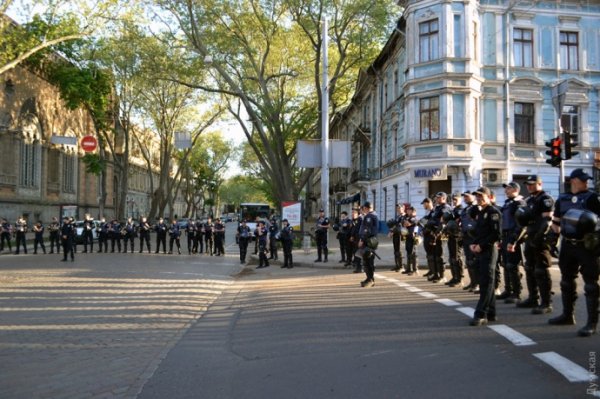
point(249, 211)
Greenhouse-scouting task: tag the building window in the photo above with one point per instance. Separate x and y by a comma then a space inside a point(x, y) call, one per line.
point(428, 40)
point(569, 50)
point(29, 162)
point(569, 119)
point(524, 123)
point(523, 47)
point(430, 118)
point(68, 173)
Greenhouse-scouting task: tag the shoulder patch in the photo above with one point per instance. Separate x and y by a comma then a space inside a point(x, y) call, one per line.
point(495, 217)
point(548, 202)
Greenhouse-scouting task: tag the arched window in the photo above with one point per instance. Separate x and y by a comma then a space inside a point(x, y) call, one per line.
point(30, 152)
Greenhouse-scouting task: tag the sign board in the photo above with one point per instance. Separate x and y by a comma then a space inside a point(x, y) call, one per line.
point(559, 96)
point(183, 141)
point(89, 143)
point(68, 211)
point(433, 173)
point(309, 154)
point(63, 140)
point(292, 211)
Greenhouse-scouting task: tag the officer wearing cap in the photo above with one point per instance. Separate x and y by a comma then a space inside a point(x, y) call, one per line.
point(467, 225)
point(368, 229)
point(322, 225)
point(511, 240)
point(455, 245)
point(273, 234)
point(426, 224)
point(287, 237)
point(485, 247)
point(354, 239)
point(537, 250)
point(396, 234)
point(577, 252)
point(243, 236)
point(437, 218)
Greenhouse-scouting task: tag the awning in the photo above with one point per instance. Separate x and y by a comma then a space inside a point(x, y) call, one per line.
point(350, 200)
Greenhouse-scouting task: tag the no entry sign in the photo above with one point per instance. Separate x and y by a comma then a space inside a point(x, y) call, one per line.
point(89, 143)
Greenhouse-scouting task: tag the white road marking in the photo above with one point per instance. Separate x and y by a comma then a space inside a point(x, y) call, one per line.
point(426, 294)
point(466, 310)
point(447, 302)
point(512, 335)
point(413, 289)
point(571, 371)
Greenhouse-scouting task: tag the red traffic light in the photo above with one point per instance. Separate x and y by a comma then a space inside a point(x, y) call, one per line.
point(555, 151)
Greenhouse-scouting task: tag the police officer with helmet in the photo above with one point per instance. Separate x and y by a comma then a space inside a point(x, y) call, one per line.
point(511, 248)
point(368, 242)
point(537, 250)
point(575, 218)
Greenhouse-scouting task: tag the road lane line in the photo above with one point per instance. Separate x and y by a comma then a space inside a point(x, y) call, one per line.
point(426, 294)
point(512, 335)
point(413, 289)
point(466, 310)
point(448, 302)
point(571, 371)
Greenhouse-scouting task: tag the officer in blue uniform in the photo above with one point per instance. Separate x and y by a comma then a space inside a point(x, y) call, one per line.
point(20, 231)
point(396, 226)
point(38, 229)
point(190, 233)
point(511, 243)
point(129, 235)
point(488, 232)
point(287, 238)
point(219, 234)
point(576, 219)
point(67, 235)
point(243, 236)
point(6, 232)
point(174, 237)
point(273, 234)
point(354, 239)
point(161, 235)
point(537, 251)
point(208, 236)
point(467, 224)
point(262, 235)
point(88, 234)
point(54, 229)
point(437, 218)
point(368, 230)
point(144, 231)
point(429, 237)
point(321, 227)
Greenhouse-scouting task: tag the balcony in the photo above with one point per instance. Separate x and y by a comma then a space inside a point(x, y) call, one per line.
point(359, 175)
point(362, 134)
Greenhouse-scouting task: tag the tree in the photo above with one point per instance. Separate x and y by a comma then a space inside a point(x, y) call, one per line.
point(264, 58)
point(238, 189)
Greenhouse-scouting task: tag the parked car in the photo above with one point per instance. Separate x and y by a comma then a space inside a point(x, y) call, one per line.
point(79, 230)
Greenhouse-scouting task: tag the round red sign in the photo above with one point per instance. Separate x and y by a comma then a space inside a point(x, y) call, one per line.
point(89, 143)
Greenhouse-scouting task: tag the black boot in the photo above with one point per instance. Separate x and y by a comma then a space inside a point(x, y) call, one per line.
point(591, 302)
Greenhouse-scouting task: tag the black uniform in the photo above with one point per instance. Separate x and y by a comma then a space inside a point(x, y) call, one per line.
point(38, 229)
point(467, 224)
point(129, 235)
point(88, 235)
point(368, 228)
point(208, 237)
point(103, 236)
point(114, 233)
point(190, 233)
point(67, 233)
point(273, 234)
point(243, 235)
point(20, 231)
point(174, 237)
point(430, 237)
point(537, 254)
point(511, 235)
point(161, 236)
point(344, 238)
point(397, 241)
point(438, 223)
point(199, 238)
point(287, 238)
point(144, 231)
point(488, 232)
point(321, 238)
point(410, 244)
point(262, 234)
point(574, 257)
point(354, 239)
point(219, 234)
point(54, 229)
point(5, 236)
point(455, 248)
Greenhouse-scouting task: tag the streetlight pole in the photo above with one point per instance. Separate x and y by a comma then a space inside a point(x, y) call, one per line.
point(325, 124)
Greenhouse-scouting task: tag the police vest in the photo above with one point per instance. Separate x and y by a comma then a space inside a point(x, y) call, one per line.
point(569, 201)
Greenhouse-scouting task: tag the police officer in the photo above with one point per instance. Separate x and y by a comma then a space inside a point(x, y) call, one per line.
point(67, 235)
point(54, 229)
point(576, 219)
point(262, 235)
point(467, 225)
point(174, 236)
point(129, 234)
point(38, 230)
point(368, 230)
point(511, 243)
point(410, 223)
point(219, 234)
point(103, 235)
point(488, 232)
point(6, 231)
point(343, 237)
point(161, 235)
point(208, 235)
point(114, 233)
point(354, 239)
point(199, 238)
point(273, 234)
point(442, 208)
point(537, 251)
point(21, 229)
point(144, 231)
point(287, 238)
point(321, 227)
point(429, 237)
point(396, 233)
point(455, 243)
point(88, 234)
point(243, 236)
point(190, 234)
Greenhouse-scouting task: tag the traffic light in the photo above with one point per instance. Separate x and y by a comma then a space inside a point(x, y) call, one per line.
point(570, 140)
point(554, 152)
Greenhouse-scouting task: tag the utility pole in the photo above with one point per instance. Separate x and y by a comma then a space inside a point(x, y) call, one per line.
point(325, 124)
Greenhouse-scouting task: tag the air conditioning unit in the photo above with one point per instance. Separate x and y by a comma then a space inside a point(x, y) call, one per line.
point(493, 177)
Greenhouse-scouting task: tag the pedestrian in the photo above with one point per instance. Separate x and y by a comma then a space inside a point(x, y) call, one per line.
point(174, 236)
point(512, 238)
point(262, 236)
point(21, 229)
point(88, 234)
point(243, 236)
point(575, 218)
point(103, 234)
point(354, 239)
point(321, 228)
point(287, 239)
point(144, 232)
point(54, 229)
point(130, 229)
point(67, 235)
point(208, 235)
point(396, 230)
point(273, 235)
point(467, 226)
point(369, 229)
point(161, 235)
point(6, 232)
point(38, 230)
point(488, 232)
point(537, 251)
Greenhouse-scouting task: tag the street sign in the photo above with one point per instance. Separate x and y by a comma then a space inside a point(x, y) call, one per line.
point(89, 143)
point(63, 140)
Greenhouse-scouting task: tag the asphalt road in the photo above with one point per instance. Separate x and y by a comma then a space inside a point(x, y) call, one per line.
point(180, 326)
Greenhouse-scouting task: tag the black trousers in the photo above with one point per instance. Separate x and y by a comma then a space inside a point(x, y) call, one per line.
point(68, 248)
point(243, 242)
point(486, 260)
point(54, 241)
point(144, 236)
point(21, 241)
point(287, 253)
point(161, 238)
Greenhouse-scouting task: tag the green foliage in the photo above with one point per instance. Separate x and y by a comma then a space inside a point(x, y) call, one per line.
point(238, 189)
point(94, 164)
